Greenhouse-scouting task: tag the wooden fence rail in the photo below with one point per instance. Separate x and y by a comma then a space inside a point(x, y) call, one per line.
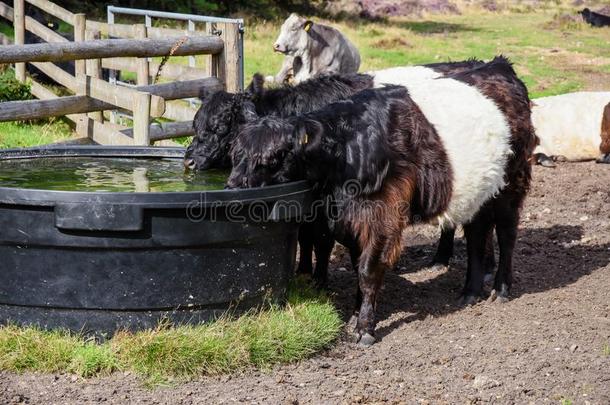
point(91, 53)
point(38, 109)
point(32, 25)
point(54, 10)
point(106, 48)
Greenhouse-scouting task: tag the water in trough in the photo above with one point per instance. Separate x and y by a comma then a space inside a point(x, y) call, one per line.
point(99, 174)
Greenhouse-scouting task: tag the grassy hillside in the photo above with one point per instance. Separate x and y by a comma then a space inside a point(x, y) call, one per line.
point(552, 54)
point(552, 50)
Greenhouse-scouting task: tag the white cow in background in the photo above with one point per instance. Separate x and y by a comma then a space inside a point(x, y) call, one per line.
point(573, 126)
point(312, 49)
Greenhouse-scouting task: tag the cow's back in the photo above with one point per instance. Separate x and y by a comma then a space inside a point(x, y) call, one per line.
point(331, 52)
point(570, 124)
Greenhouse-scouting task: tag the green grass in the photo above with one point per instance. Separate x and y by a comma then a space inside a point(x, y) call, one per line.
point(307, 324)
point(15, 134)
point(606, 349)
point(549, 60)
point(553, 52)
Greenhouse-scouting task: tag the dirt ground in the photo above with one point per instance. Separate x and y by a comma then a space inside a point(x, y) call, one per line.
point(548, 344)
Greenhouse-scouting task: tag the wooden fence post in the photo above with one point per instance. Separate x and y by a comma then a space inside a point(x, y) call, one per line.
point(80, 26)
point(141, 119)
point(141, 106)
point(83, 126)
point(19, 24)
point(94, 69)
point(211, 65)
point(143, 72)
point(230, 57)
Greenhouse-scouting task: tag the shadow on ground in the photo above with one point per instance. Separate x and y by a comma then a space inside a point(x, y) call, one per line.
point(545, 259)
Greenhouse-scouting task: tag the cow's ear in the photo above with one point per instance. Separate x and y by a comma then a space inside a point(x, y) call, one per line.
point(248, 111)
point(257, 86)
point(308, 137)
point(307, 25)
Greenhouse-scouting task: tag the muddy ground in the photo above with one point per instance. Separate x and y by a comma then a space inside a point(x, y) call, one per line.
point(547, 344)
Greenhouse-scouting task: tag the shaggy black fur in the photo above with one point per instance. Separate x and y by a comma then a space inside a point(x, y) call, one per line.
point(222, 114)
point(595, 19)
point(448, 68)
point(380, 140)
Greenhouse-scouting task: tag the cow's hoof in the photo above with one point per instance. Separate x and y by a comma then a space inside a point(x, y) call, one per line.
point(469, 299)
point(499, 295)
point(497, 298)
point(543, 160)
point(605, 158)
point(366, 340)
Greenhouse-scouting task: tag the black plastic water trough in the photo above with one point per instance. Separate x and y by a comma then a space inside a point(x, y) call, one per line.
point(102, 261)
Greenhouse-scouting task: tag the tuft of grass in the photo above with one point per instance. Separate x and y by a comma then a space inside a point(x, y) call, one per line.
point(566, 401)
point(275, 334)
point(606, 349)
point(24, 349)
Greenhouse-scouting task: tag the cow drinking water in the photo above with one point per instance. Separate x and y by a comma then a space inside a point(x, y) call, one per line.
point(443, 148)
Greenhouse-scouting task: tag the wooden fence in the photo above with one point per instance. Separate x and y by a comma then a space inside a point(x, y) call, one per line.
point(119, 47)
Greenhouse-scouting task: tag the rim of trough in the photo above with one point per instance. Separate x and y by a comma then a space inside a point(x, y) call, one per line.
point(294, 191)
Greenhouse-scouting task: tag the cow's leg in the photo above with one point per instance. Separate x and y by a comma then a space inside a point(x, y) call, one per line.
point(604, 146)
point(379, 255)
point(544, 160)
point(476, 236)
point(489, 261)
point(285, 71)
point(354, 252)
point(507, 223)
point(306, 237)
point(444, 250)
point(370, 276)
point(323, 245)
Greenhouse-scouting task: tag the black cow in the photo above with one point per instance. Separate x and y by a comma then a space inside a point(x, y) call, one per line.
point(595, 19)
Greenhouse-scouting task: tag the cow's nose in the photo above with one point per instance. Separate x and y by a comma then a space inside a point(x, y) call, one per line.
point(276, 47)
point(189, 164)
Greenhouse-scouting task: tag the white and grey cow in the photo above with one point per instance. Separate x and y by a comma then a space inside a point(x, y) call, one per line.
point(573, 126)
point(312, 49)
